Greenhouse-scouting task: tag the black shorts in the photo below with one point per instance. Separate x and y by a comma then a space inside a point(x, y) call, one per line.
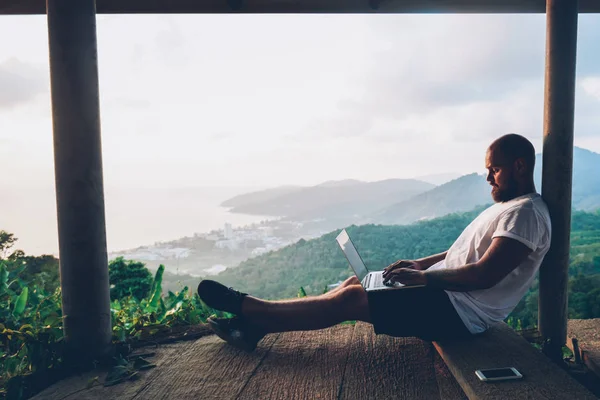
point(415, 312)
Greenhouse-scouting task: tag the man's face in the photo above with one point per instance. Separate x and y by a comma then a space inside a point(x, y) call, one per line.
point(501, 176)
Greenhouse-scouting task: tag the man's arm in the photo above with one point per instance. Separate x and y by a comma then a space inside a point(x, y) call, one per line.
point(501, 258)
point(427, 262)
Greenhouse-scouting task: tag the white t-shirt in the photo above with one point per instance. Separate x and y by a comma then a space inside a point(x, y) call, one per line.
point(525, 219)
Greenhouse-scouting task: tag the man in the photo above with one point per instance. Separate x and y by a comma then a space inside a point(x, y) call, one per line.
point(478, 281)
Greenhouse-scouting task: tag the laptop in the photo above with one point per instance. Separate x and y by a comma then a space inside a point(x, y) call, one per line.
point(370, 281)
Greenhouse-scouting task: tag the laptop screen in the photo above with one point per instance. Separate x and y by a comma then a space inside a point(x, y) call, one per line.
point(352, 255)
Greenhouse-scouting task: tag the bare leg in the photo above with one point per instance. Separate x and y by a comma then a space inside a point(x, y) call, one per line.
point(348, 303)
point(353, 280)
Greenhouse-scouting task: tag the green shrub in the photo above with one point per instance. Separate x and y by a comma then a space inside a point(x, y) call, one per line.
point(128, 278)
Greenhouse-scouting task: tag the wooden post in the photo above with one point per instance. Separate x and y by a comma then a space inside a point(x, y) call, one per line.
point(557, 169)
point(78, 174)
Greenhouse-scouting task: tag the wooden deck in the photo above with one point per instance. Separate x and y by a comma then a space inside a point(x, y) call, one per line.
point(587, 333)
point(343, 362)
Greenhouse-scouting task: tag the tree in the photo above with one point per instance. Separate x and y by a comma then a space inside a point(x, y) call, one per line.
point(41, 270)
point(128, 278)
point(7, 240)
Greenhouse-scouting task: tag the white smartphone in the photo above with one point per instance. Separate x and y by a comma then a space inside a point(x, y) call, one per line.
point(498, 374)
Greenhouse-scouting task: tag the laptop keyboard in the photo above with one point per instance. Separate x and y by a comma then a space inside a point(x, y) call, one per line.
point(377, 280)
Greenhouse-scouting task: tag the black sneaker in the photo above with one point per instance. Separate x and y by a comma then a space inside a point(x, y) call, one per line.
point(221, 297)
point(236, 332)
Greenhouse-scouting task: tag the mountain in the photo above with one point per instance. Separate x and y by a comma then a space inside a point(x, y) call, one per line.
point(458, 195)
point(260, 196)
point(468, 191)
point(401, 201)
point(342, 199)
point(342, 183)
point(439, 179)
point(586, 178)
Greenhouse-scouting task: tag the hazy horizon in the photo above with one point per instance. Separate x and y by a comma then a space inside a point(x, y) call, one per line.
point(258, 101)
point(189, 210)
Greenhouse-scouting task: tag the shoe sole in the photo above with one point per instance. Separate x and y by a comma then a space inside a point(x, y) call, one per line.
point(237, 342)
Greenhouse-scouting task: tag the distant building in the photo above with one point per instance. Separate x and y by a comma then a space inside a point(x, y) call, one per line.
point(267, 231)
point(259, 251)
point(228, 231)
point(227, 244)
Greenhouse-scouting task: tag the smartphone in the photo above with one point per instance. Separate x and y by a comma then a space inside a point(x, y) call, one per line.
point(498, 374)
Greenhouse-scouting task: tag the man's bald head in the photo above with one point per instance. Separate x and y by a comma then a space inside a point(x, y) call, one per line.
point(512, 147)
point(510, 161)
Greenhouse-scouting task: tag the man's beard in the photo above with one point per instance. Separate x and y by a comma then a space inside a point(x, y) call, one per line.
point(505, 194)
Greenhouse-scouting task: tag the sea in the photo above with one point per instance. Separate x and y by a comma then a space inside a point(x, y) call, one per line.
point(134, 216)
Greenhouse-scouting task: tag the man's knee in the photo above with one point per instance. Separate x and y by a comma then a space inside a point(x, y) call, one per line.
point(351, 303)
point(353, 280)
point(351, 295)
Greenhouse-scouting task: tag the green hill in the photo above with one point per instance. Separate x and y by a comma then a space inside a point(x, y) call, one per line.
point(316, 263)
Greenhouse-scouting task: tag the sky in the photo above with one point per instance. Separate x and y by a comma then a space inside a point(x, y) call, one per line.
point(264, 100)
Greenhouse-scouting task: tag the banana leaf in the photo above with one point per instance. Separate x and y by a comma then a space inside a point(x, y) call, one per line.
point(3, 278)
point(173, 299)
point(21, 302)
point(156, 292)
point(301, 292)
point(161, 311)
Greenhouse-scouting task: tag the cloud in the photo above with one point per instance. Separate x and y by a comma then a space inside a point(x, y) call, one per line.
point(125, 103)
point(170, 43)
point(450, 61)
point(461, 78)
point(346, 123)
point(591, 86)
point(587, 104)
point(20, 82)
point(221, 137)
point(588, 37)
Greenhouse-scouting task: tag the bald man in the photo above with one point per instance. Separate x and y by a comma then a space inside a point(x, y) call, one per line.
point(477, 281)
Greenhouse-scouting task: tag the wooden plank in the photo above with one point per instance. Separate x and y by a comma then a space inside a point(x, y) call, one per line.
point(16, 7)
point(587, 333)
point(74, 387)
point(502, 347)
point(383, 367)
point(206, 369)
point(447, 385)
point(302, 365)
point(341, 362)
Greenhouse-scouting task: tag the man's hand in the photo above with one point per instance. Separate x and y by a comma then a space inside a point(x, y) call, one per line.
point(402, 264)
point(406, 276)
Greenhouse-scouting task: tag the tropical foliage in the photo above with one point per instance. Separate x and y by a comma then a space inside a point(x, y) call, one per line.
point(128, 278)
point(31, 334)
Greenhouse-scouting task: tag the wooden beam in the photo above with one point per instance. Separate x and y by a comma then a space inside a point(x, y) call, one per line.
point(79, 182)
point(301, 6)
point(557, 169)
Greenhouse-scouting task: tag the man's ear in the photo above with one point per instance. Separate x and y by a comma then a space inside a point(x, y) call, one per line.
point(520, 165)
